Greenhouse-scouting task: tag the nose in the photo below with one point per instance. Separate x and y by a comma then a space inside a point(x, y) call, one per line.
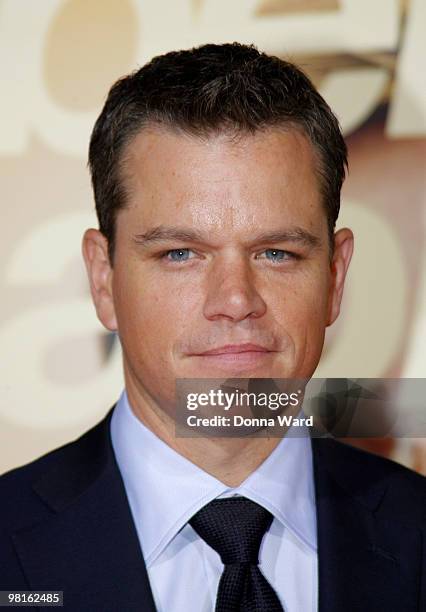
point(231, 292)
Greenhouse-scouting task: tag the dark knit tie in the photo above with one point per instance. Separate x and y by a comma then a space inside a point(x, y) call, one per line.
point(234, 527)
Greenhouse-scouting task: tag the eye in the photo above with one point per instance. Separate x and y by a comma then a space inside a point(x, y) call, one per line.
point(278, 255)
point(177, 255)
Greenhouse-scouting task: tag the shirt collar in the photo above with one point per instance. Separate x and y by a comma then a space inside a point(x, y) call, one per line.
point(165, 489)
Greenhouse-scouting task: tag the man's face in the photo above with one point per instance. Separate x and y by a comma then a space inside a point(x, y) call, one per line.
point(223, 248)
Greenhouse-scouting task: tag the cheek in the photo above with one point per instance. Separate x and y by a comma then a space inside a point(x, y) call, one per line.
point(150, 313)
point(301, 302)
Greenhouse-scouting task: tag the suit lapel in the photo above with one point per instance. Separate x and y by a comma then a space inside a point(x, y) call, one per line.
point(88, 547)
point(366, 559)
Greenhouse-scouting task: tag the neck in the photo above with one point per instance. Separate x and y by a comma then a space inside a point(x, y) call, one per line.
point(230, 460)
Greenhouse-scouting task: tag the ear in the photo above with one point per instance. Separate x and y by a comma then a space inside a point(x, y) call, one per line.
point(100, 273)
point(342, 254)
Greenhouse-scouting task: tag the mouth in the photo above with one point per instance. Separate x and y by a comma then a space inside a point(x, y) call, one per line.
point(235, 349)
point(246, 354)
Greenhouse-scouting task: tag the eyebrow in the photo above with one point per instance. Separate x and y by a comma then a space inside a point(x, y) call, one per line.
point(163, 233)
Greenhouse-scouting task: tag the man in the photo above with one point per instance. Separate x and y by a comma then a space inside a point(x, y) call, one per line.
point(217, 175)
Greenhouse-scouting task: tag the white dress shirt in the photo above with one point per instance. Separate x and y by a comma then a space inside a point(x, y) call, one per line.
point(165, 490)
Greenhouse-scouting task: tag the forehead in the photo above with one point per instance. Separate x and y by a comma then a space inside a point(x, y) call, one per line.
point(223, 181)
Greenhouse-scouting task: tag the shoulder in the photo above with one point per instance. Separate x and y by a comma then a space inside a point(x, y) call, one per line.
point(52, 488)
point(362, 473)
point(23, 505)
point(356, 458)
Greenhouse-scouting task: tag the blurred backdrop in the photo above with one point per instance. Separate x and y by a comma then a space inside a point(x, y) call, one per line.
point(60, 370)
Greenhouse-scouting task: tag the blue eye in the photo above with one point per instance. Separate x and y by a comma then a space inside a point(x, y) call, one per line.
point(276, 254)
point(178, 254)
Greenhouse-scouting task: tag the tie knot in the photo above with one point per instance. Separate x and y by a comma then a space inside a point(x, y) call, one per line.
point(233, 527)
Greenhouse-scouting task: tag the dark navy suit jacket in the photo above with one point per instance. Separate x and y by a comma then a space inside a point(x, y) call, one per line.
point(65, 524)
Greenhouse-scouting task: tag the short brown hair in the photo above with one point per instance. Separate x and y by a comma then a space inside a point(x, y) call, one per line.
point(205, 90)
